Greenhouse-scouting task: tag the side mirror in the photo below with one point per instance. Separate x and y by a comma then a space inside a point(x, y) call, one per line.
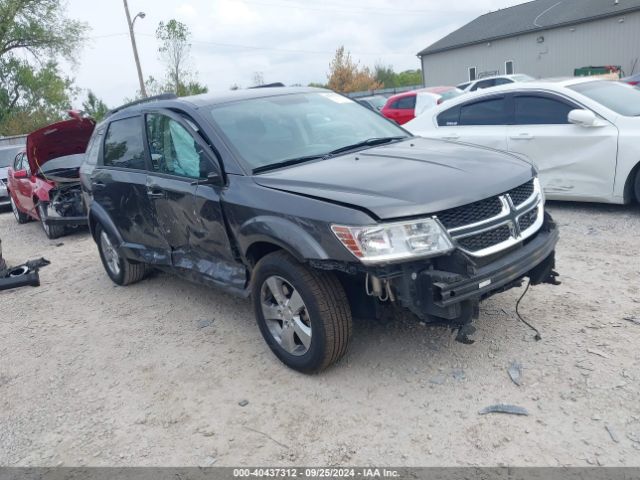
point(583, 118)
point(20, 174)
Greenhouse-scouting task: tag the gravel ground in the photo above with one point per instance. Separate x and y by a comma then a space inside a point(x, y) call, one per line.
point(155, 373)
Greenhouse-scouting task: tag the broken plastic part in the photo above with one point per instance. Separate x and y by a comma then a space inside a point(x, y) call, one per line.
point(22, 275)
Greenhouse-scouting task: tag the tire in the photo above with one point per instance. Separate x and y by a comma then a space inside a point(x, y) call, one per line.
point(51, 231)
point(319, 331)
point(636, 188)
point(21, 217)
point(127, 271)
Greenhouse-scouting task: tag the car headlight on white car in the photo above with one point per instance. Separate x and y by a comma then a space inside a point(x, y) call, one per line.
point(390, 242)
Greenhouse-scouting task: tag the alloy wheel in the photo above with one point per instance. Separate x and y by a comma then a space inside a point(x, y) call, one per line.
point(111, 257)
point(286, 315)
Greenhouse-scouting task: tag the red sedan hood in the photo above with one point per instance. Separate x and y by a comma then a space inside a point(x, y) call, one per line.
point(57, 140)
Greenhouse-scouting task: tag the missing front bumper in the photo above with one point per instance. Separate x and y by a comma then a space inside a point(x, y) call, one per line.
point(454, 295)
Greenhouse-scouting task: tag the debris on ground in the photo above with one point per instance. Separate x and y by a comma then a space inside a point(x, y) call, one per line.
point(458, 374)
point(204, 323)
point(209, 461)
point(634, 320)
point(504, 408)
point(597, 352)
point(515, 372)
point(612, 434)
point(23, 275)
point(243, 403)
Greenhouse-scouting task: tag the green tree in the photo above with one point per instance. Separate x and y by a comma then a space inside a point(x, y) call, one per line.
point(175, 52)
point(94, 107)
point(409, 78)
point(385, 75)
point(33, 34)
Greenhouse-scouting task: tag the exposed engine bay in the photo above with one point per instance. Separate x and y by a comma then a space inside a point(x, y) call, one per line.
point(66, 201)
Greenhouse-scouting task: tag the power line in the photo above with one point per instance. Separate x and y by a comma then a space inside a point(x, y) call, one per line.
point(260, 47)
point(347, 9)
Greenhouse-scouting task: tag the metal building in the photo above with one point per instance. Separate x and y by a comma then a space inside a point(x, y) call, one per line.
point(542, 38)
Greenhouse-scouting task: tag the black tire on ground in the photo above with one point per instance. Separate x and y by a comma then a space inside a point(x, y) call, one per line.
point(20, 216)
point(637, 186)
point(52, 231)
point(127, 271)
point(325, 308)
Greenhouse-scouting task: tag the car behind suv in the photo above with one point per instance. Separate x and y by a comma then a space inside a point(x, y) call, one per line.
point(316, 207)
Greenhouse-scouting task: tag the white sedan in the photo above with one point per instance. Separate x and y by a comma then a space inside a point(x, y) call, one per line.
point(583, 134)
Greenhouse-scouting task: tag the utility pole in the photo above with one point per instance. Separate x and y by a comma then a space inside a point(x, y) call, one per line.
point(130, 22)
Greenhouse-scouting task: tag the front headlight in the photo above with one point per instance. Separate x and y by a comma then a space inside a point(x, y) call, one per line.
point(389, 242)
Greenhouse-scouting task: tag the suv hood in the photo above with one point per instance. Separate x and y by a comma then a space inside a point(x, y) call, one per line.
point(413, 177)
point(57, 140)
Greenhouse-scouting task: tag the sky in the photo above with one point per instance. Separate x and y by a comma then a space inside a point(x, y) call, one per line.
point(289, 41)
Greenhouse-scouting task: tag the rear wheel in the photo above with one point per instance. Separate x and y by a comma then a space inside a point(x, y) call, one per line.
point(20, 216)
point(52, 231)
point(303, 314)
point(122, 271)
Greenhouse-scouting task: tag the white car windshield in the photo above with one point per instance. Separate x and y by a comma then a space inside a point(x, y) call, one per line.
point(619, 97)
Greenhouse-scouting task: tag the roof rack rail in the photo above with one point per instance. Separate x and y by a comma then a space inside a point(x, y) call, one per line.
point(155, 98)
point(268, 85)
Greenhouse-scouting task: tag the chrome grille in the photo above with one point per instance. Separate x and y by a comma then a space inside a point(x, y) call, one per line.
point(487, 239)
point(472, 213)
point(521, 194)
point(490, 226)
point(528, 219)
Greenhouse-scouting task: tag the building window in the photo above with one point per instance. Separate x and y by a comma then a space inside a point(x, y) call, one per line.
point(508, 68)
point(472, 74)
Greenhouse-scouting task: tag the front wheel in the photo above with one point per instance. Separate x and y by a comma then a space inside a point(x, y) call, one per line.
point(52, 231)
point(121, 270)
point(303, 314)
point(20, 216)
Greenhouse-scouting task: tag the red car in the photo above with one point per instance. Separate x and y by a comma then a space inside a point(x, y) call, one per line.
point(44, 180)
point(632, 80)
point(402, 107)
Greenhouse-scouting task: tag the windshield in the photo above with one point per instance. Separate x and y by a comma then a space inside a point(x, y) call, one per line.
point(272, 130)
point(616, 96)
point(8, 155)
point(377, 102)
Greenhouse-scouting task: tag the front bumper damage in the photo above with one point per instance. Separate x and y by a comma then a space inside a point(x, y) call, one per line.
point(449, 289)
point(66, 206)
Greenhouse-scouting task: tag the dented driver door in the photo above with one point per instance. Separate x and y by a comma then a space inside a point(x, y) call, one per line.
point(188, 210)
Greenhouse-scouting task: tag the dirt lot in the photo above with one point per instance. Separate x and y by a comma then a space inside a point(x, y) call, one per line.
point(152, 374)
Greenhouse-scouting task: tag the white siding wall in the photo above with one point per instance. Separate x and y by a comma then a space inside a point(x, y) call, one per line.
point(602, 42)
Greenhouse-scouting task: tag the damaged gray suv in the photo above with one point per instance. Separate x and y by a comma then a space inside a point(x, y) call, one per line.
point(316, 208)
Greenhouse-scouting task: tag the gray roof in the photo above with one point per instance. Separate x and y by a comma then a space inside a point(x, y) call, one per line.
point(530, 17)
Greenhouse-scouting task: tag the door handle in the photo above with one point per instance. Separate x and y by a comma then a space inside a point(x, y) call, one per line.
point(155, 193)
point(522, 136)
point(451, 137)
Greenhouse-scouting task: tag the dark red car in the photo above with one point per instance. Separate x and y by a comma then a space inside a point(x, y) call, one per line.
point(44, 180)
point(404, 107)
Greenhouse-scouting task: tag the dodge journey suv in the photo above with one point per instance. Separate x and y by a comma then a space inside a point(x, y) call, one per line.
point(315, 207)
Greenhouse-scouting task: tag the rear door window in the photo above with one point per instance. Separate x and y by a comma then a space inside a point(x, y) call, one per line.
point(123, 144)
point(484, 112)
point(449, 118)
point(541, 110)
